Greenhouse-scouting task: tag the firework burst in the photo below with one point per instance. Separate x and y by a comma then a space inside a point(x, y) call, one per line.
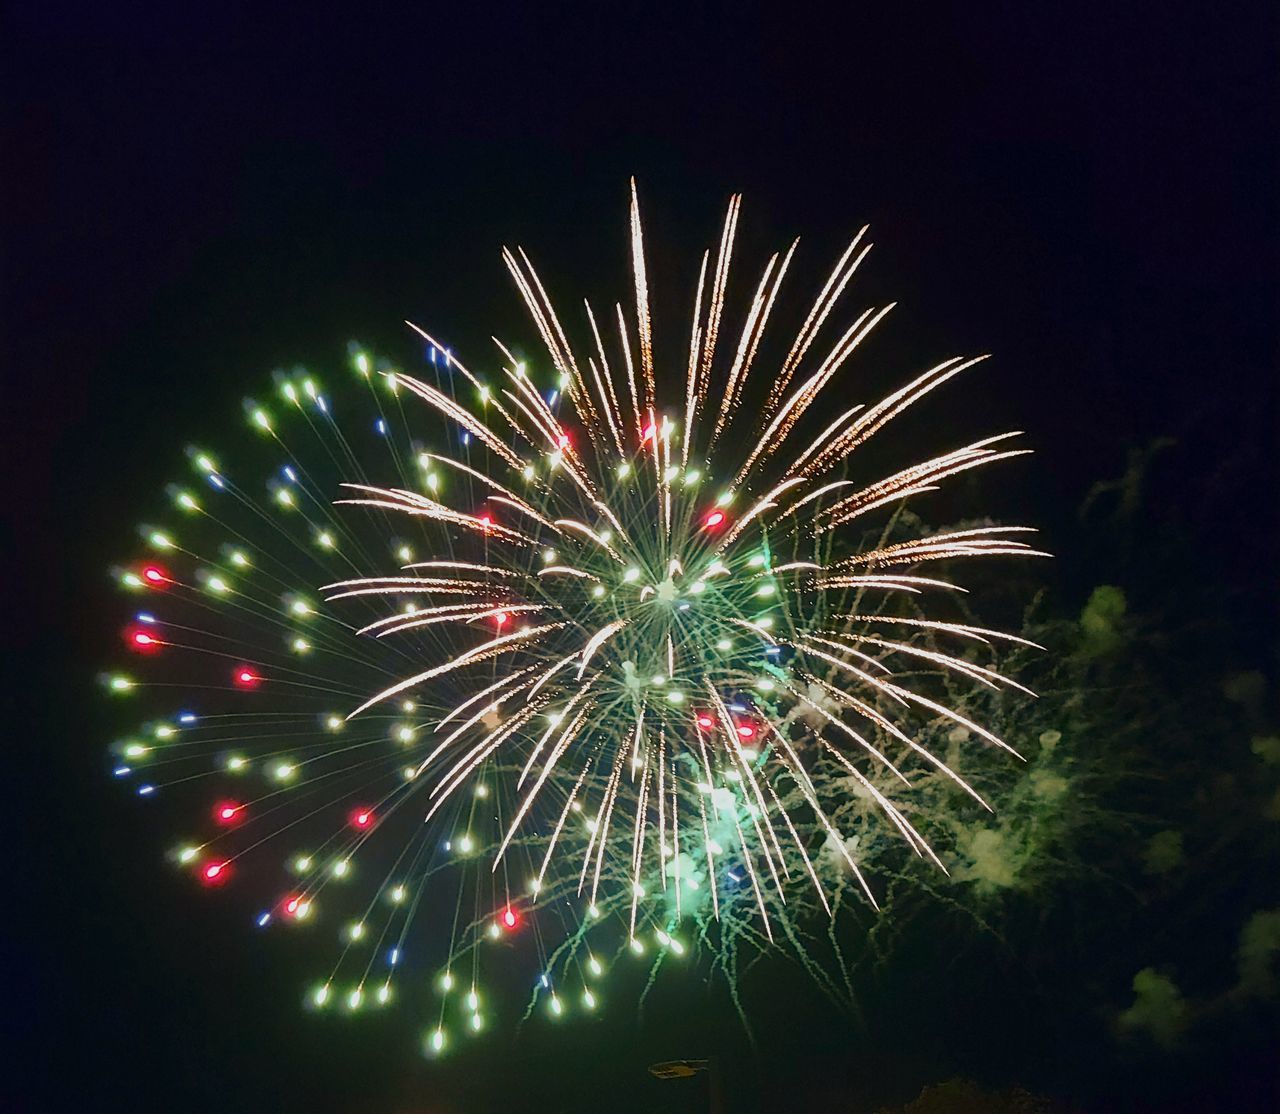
point(554, 653)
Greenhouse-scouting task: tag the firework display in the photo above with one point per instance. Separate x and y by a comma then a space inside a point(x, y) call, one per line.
point(587, 653)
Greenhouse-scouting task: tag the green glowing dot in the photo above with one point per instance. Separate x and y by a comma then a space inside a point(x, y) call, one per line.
point(598, 591)
point(186, 502)
point(724, 499)
point(593, 965)
point(765, 685)
point(355, 998)
point(637, 946)
point(437, 1040)
point(131, 580)
point(527, 473)
point(160, 541)
point(341, 868)
point(675, 696)
point(334, 723)
point(691, 477)
point(301, 645)
point(239, 559)
point(235, 763)
point(766, 590)
point(320, 995)
point(624, 470)
point(476, 1022)
point(473, 1000)
point(446, 981)
point(186, 855)
point(724, 644)
point(262, 420)
point(362, 363)
point(355, 931)
point(589, 1000)
point(120, 683)
point(398, 894)
point(556, 1007)
point(302, 864)
point(135, 750)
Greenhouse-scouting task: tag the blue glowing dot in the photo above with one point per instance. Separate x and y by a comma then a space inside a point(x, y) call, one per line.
point(216, 480)
point(551, 398)
point(393, 957)
point(146, 617)
point(544, 980)
point(290, 473)
point(324, 406)
point(187, 717)
point(380, 426)
point(466, 439)
point(122, 771)
point(146, 790)
point(773, 650)
point(433, 353)
point(264, 920)
point(737, 707)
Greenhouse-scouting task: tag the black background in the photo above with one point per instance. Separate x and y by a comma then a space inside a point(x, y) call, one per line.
point(196, 194)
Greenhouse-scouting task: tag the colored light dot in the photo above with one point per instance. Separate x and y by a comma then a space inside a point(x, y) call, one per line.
point(135, 750)
point(239, 559)
point(333, 723)
point(465, 844)
point(765, 685)
point(593, 965)
point(637, 946)
point(214, 870)
point(121, 684)
point(676, 946)
point(746, 731)
point(283, 771)
point(670, 474)
point(692, 477)
point(362, 363)
point(398, 894)
point(320, 995)
point(186, 855)
point(300, 607)
point(362, 818)
point(302, 863)
point(246, 678)
point(765, 622)
point(384, 995)
point(473, 1000)
point(556, 1008)
point(341, 868)
point(589, 1000)
point(527, 472)
point(724, 644)
point(301, 646)
point(325, 540)
point(446, 981)
point(159, 540)
point(509, 918)
point(766, 590)
point(706, 722)
point(131, 580)
point(404, 734)
point(598, 591)
point(356, 931)
point(675, 696)
point(724, 498)
point(355, 998)
point(437, 1040)
point(697, 587)
point(632, 574)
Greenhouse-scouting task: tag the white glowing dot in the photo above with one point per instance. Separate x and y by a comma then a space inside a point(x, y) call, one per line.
point(724, 499)
point(235, 763)
point(675, 696)
point(548, 555)
point(325, 540)
point(465, 844)
point(239, 559)
point(692, 477)
point(482, 790)
point(405, 734)
point(624, 469)
point(160, 541)
point(301, 645)
point(355, 931)
point(724, 644)
point(284, 497)
point(598, 591)
point(321, 995)
point(384, 994)
point(283, 771)
point(341, 868)
point(446, 981)
point(766, 622)
point(333, 723)
point(362, 363)
point(697, 587)
point(398, 894)
point(632, 574)
point(300, 607)
point(217, 584)
point(302, 863)
point(765, 685)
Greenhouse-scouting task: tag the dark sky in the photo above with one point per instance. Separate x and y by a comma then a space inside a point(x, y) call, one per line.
point(195, 194)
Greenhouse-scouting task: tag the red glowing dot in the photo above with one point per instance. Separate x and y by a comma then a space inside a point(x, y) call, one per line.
point(746, 731)
point(292, 905)
point(141, 641)
point(362, 818)
point(154, 574)
point(509, 918)
point(501, 618)
point(714, 519)
point(227, 812)
point(245, 677)
point(649, 431)
point(215, 873)
point(486, 521)
point(563, 440)
point(705, 722)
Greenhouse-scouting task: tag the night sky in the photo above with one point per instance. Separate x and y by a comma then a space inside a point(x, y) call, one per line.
point(194, 196)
